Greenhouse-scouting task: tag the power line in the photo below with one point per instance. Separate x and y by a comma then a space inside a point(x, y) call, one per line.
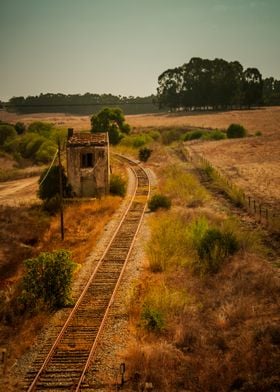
point(46, 175)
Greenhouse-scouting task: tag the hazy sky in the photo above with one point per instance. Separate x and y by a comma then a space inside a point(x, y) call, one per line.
point(122, 46)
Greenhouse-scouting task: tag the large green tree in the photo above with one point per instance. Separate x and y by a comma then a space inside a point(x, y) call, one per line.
point(210, 84)
point(110, 120)
point(253, 87)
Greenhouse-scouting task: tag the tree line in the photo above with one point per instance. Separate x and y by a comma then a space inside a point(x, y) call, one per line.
point(81, 104)
point(215, 84)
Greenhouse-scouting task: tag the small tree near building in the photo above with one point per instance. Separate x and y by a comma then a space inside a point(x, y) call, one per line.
point(110, 120)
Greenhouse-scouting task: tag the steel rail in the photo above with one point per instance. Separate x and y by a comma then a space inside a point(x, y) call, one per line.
point(90, 281)
point(112, 298)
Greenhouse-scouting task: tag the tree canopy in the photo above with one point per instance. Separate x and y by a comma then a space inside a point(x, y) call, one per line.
point(81, 104)
point(110, 120)
point(215, 84)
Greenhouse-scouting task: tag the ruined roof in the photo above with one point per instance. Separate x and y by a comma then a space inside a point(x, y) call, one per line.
point(87, 139)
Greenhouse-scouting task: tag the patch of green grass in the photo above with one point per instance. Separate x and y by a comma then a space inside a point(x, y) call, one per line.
point(136, 140)
point(166, 246)
point(183, 187)
point(215, 134)
point(162, 303)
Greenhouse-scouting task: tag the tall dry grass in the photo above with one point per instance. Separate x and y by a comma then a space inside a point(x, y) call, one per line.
point(84, 223)
point(225, 335)
point(208, 331)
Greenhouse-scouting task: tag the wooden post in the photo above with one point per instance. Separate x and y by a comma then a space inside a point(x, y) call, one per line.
point(255, 210)
point(60, 193)
point(249, 201)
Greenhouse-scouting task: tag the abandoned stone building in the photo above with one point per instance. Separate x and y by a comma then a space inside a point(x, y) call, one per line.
point(88, 163)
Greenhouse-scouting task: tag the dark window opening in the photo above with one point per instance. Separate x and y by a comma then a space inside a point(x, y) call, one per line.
point(87, 160)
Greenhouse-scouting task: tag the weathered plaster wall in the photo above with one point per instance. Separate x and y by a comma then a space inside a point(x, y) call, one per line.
point(91, 181)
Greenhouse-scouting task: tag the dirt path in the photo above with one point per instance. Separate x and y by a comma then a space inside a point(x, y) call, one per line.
point(19, 191)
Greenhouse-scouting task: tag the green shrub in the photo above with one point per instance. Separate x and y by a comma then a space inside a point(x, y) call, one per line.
point(236, 131)
point(214, 247)
point(152, 318)
point(117, 185)
point(20, 128)
point(12, 145)
point(159, 201)
point(40, 127)
point(33, 146)
point(7, 132)
point(136, 141)
point(48, 278)
point(144, 154)
point(52, 205)
point(193, 135)
point(170, 136)
point(50, 186)
point(258, 133)
point(155, 135)
point(214, 135)
point(46, 152)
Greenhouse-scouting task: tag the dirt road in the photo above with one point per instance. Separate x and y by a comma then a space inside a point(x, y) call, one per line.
point(19, 191)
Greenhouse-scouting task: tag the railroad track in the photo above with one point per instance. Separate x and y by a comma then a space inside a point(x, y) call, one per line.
point(64, 366)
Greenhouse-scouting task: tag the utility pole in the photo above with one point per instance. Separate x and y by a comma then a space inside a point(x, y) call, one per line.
point(60, 193)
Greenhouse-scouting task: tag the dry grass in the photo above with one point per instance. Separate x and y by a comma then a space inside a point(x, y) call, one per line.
point(252, 164)
point(20, 232)
point(265, 120)
point(222, 332)
point(84, 222)
point(60, 120)
point(227, 333)
point(25, 232)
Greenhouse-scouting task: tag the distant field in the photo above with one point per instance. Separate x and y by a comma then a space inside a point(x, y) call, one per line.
point(266, 120)
point(61, 120)
point(252, 163)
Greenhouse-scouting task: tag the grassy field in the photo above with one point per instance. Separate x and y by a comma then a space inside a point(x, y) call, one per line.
point(196, 328)
point(253, 164)
point(265, 120)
